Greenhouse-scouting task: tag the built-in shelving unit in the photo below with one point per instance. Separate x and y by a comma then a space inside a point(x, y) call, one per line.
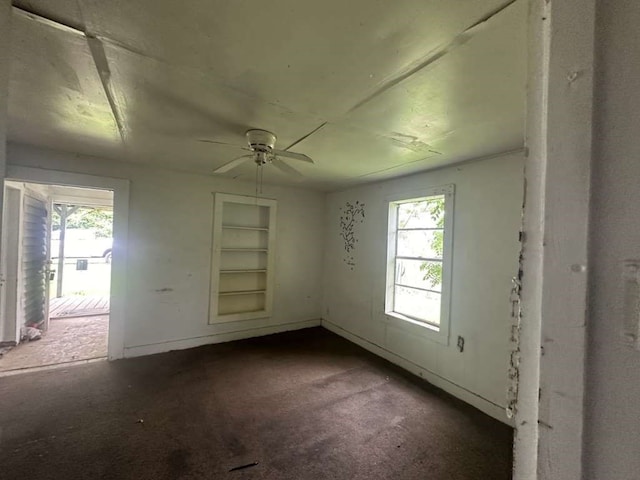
point(242, 260)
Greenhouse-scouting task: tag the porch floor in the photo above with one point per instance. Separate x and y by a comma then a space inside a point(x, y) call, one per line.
point(66, 340)
point(78, 306)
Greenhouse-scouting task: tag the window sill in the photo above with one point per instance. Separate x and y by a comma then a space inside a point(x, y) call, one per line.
point(417, 328)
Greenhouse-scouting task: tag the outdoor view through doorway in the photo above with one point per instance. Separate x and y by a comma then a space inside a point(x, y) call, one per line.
point(63, 249)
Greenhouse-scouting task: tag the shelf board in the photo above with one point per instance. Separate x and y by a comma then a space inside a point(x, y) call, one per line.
point(244, 250)
point(237, 227)
point(263, 270)
point(241, 292)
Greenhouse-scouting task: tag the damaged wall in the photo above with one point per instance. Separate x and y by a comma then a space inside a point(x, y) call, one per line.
point(170, 225)
point(487, 220)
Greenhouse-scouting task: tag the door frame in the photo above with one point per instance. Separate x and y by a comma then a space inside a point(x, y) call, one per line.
point(11, 248)
point(120, 188)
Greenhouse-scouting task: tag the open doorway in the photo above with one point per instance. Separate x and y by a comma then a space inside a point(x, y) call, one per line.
point(58, 249)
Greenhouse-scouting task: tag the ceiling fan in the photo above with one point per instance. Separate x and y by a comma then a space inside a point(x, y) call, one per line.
point(261, 145)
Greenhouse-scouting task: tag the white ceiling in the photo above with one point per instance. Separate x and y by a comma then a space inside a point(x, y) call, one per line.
point(398, 86)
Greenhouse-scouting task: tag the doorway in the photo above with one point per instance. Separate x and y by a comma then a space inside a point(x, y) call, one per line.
point(59, 244)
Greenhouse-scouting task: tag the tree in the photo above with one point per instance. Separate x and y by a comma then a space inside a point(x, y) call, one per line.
point(433, 270)
point(434, 208)
point(99, 220)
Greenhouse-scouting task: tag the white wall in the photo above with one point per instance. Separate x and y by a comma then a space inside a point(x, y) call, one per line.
point(170, 224)
point(487, 220)
point(613, 370)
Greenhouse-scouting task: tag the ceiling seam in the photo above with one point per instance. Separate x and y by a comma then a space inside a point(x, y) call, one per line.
point(459, 39)
point(46, 21)
point(101, 63)
point(33, 15)
point(304, 137)
point(449, 165)
point(102, 66)
point(97, 54)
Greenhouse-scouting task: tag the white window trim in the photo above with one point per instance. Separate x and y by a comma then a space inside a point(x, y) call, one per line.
point(439, 334)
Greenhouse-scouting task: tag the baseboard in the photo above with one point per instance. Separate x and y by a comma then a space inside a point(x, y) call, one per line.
point(485, 406)
point(182, 344)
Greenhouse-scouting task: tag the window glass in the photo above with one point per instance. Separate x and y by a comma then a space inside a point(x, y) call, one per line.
point(419, 274)
point(420, 243)
point(418, 304)
point(427, 213)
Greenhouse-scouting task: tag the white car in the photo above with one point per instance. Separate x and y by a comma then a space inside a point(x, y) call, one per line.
point(81, 243)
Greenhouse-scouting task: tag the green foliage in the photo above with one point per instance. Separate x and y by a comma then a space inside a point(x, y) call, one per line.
point(434, 207)
point(101, 221)
point(432, 272)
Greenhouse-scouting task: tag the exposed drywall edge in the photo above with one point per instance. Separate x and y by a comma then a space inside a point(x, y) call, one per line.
point(480, 403)
point(182, 344)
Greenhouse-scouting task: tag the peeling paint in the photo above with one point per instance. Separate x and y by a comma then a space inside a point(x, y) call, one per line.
point(514, 357)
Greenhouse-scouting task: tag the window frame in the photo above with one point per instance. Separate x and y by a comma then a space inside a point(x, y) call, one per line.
point(439, 333)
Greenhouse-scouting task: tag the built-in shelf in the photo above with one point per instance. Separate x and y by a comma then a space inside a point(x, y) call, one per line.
point(264, 270)
point(242, 292)
point(237, 227)
point(244, 250)
point(243, 258)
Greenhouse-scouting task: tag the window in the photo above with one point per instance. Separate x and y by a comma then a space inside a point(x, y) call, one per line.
point(419, 258)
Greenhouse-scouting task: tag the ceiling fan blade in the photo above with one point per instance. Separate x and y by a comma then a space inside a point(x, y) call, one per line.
point(279, 164)
point(232, 164)
point(204, 140)
point(297, 156)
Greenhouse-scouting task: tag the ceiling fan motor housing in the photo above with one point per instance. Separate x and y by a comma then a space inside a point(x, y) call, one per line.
point(261, 140)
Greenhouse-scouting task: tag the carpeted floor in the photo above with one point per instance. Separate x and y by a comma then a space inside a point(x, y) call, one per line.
point(304, 405)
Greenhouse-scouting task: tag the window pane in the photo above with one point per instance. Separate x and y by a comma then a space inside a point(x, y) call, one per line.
point(418, 304)
point(427, 213)
point(418, 273)
point(420, 243)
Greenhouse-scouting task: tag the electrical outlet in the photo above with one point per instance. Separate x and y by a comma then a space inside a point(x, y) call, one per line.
point(460, 344)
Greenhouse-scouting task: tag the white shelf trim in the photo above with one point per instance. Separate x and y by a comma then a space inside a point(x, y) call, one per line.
point(238, 227)
point(242, 292)
point(260, 270)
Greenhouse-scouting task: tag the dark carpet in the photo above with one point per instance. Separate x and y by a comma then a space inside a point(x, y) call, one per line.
point(303, 405)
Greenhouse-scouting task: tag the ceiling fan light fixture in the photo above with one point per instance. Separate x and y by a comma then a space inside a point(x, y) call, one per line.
point(261, 140)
